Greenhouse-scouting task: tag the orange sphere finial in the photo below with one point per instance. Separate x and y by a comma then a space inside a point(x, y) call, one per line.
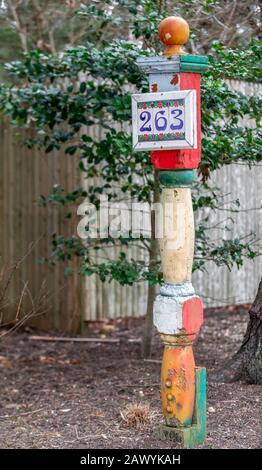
point(173, 32)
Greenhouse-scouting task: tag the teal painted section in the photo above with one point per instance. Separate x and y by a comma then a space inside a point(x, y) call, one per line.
point(191, 63)
point(195, 435)
point(201, 59)
point(176, 178)
point(193, 68)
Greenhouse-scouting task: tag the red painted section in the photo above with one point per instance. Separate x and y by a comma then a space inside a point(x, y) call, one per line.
point(173, 159)
point(182, 158)
point(192, 315)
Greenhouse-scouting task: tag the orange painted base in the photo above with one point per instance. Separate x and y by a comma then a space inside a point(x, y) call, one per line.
point(178, 384)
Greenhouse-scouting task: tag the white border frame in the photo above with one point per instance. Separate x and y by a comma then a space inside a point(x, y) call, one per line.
point(190, 140)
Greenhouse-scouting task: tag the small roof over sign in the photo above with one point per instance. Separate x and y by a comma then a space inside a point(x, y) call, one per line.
point(184, 63)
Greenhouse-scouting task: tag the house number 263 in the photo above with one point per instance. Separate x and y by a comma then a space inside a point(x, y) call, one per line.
point(161, 121)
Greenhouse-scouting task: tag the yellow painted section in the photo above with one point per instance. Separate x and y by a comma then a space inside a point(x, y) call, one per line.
point(176, 228)
point(178, 384)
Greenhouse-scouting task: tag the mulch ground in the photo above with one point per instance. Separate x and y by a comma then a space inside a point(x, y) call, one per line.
point(74, 395)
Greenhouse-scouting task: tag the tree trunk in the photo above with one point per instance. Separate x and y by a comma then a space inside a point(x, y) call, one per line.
point(153, 254)
point(148, 325)
point(246, 364)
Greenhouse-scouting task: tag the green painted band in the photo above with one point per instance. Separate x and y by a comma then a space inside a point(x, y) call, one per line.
point(193, 68)
point(191, 63)
point(201, 59)
point(174, 178)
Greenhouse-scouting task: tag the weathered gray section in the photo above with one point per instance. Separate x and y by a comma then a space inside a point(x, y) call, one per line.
point(177, 290)
point(159, 64)
point(167, 314)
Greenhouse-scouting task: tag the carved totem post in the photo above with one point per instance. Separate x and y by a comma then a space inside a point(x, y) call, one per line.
point(167, 122)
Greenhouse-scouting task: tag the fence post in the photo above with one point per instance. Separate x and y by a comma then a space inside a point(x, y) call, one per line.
point(166, 121)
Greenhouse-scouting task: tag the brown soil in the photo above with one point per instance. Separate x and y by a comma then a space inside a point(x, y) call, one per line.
point(72, 395)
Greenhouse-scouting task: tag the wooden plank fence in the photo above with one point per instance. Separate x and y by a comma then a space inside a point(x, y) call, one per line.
point(25, 232)
point(26, 174)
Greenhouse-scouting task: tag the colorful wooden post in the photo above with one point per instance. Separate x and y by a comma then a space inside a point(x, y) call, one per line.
point(167, 122)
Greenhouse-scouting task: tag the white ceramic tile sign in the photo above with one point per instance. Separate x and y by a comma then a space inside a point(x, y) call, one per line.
point(164, 120)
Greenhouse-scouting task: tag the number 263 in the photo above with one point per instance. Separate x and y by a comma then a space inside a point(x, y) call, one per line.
point(161, 121)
